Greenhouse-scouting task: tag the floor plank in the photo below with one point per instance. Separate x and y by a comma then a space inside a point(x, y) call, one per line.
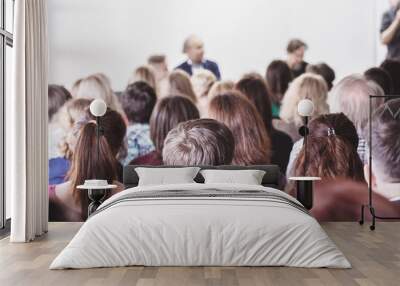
point(375, 257)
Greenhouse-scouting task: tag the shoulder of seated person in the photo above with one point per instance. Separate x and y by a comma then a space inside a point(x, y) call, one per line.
point(62, 190)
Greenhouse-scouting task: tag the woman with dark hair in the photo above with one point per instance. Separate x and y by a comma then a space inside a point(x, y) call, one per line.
point(252, 142)
point(331, 150)
point(323, 70)
point(138, 101)
point(168, 113)
point(255, 89)
point(393, 68)
point(381, 78)
point(278, 78)
point(67, 203)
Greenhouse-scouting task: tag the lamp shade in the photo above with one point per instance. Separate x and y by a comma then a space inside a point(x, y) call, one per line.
point(98, 107)
point(305, 107)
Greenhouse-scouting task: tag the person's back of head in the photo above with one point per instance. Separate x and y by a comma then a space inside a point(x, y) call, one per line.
point(138, 101)
point(57, 97)
point(307, 86)
point(386, 145)
point(221, 87)
point(146, 74)
point(323, 70)
point(252, 142)
point(202, 82)
point(168, 113)
point(278, 78)
point(393, 68)
point(255, 89)
point(179, 84)
point(331, 150)
point(87, 163)
point(71, 113)
point(351, 96)
point(199, 142)
point(381, 78)
point(159, 65)
point(96, 86)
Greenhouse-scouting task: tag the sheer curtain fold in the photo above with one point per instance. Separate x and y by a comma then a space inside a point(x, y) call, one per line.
point(27, 120)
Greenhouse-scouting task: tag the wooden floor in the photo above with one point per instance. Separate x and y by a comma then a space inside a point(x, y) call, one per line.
point(375, 257)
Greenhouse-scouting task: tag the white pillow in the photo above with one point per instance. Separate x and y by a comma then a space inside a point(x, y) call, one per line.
point(248, 177)
point(166, 176)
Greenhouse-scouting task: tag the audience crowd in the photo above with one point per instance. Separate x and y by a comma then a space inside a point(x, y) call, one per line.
point(190, 116)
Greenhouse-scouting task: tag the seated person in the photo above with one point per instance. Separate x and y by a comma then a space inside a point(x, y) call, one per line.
point(64, 121)
point(138, 101)
point(168, 113)
point(202, 83)
point(193, 47)
point(278, 78)
point(341, 200)
point(67, 203)
point(57, 97)
point(325, 71)
point(252, 142)
point(160, 67)
point(381, 78)
point(179, 84)
point(146, 74)
point(386, 151)
point(253, 86)
point(307, 86)
point(331, 150)
point(199, 142)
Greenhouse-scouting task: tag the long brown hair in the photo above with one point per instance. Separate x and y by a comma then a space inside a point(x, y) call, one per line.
point(331, 150)
point(253, 86)
point(167, 114)
point(85, 162)
point(252, 143)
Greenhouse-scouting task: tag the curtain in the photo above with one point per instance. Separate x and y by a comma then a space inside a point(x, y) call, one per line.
point(27, 123)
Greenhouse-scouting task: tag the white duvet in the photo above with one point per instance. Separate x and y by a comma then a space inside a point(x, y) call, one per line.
point(203, 231)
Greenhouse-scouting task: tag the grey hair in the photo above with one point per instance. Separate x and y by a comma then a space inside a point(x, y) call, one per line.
point(199, 142)
point(351, 96)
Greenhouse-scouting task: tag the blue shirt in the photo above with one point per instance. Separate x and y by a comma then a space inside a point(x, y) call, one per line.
point(138, 142)
point(58, 169)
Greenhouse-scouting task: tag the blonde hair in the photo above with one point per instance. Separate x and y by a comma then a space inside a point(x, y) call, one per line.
point(306, 86)
point(351, 96)
point(146, 74)
point(179, 84)
point(221, 87)
point(72, 112)
point(202, 82)
point(97, 86)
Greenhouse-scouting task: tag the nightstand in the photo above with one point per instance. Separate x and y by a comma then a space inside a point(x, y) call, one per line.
point(96, 195)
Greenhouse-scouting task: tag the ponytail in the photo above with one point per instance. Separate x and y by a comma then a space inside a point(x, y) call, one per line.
point(88, 164)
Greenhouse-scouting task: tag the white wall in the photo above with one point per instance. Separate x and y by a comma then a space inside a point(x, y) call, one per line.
point(242, 35)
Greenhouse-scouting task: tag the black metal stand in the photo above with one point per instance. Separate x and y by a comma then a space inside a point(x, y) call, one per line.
point(370, 205)
point(305, 193)
point(96, 199)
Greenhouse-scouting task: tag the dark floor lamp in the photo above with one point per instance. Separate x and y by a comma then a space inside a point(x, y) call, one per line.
point(370, 204)
point(304, 184)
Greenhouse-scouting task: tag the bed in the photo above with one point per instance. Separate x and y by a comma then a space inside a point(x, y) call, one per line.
point(201, 224)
